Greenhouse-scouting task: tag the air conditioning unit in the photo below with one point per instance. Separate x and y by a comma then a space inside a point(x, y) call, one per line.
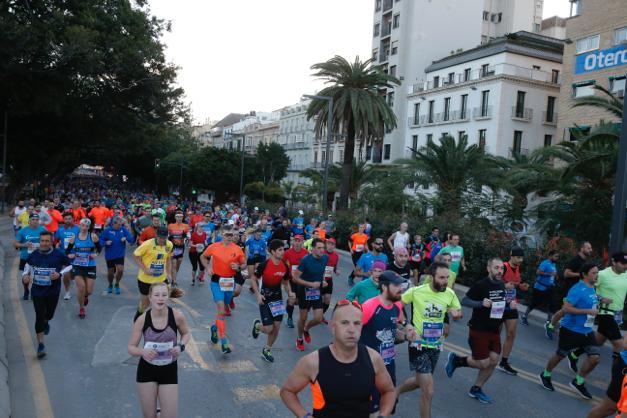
point(620, 94)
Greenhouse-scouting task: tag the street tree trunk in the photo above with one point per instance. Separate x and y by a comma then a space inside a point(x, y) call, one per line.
point(347, 165)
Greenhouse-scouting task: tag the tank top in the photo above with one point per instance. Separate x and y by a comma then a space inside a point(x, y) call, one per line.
point(343, 390)
point(511, 275)
point(161, 340)
point(83, 248)
point(401, 239)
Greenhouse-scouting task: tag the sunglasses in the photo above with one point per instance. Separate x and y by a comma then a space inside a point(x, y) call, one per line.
point(378, 243)
point(346, 302)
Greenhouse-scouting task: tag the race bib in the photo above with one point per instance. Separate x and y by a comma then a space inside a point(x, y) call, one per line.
point(328, 273)
point(82, 259)
point(200, 247)
point(618, 317)
point(498, 307)
point(178, 251)
point(42, 276)
point(312, 294)
point(432, 333)
point(66, 241)
point(164, 357)
point(416, 258)
point(227, 284)
point(294, 269)
point(589, 321)
point(510, 294)
point(157, 269)
point(277, 308)
point(359, 248)
point(455, 257)
point(387, 351)
point(97, 226)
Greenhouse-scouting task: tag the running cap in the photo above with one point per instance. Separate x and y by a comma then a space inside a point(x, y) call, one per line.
point(392, 277)
point(256, 208)
point(331, 240)
point(620, 257)
point(379, 265)
point(162, 232)
point(33, 216)
point(85, 221)
point(517, 252)
point(300, 212)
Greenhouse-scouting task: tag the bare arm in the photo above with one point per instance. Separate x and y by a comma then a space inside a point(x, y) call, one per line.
point(569, 308)
point(569, 274)
point(141, 264)
point(391, 241)
point(296, 278)
point(305, 371)
point(383, 382)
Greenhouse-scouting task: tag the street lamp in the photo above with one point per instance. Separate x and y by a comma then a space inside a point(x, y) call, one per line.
point(241, 172)
point(325, 186)
point(617, 231)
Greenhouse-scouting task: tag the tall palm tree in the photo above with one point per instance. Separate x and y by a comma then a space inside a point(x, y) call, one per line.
point(289, 190)
point(607, 101)
point(360, 107)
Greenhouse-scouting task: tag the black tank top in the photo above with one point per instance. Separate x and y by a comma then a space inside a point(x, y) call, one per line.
point(343, 390)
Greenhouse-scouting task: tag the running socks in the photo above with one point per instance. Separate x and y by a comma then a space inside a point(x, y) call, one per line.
point(221, 327)
point(546, 373)
point(290, 310)
point(460, 361)
point(325, 307)
point(580, 380)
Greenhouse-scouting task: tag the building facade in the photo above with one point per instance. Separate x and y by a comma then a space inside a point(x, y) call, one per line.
point(595, 55)
point(501, 95)
point(296, 136)
point(409, 35)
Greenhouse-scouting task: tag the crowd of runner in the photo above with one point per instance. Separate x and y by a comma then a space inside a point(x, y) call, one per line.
point(401, 291)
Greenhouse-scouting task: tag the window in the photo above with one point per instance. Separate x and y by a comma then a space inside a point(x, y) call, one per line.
point(536, 27)
point(396, 21)
point(520, 104)
point(431, 105)
point(467, 74)
point(486, 15)
point(461, 135)
point(429, 138)
point(481, 141)
point(555, 76)
point(578, 132)
point(391, 98)
point(589, 43)
point(416, 113)
point(493, 18)
point(324, 157)
point(393, 70)
point(517, 145)
point(387, 148)
point(583, 89)
point(414, 142)
point(548, 139)
point(447, 108)
point(436, 82)
point(377, 5)
point(377, 29)
point(330, 156)
point(500, 17)
point(617, 84)
point(485, 70)
point(550, 109)
point(575, 7)
point(315, 157)
point(394, 47)
point(451, 78)
point(620, 35)
point(463, 106)
point(341, 155)
point(375, 52)
point(485, 99)
point(536, 67)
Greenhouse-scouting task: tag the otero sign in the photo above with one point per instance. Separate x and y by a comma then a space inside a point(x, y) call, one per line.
point(599, 60)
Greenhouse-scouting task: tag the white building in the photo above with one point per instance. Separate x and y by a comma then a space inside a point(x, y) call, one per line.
point(501, 95)
point(296, 136)
point(409, 34)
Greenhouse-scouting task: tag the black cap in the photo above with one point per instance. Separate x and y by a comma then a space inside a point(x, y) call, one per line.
point(620, 257)
point(517, 252)
point(162, 232)
point(390, 276)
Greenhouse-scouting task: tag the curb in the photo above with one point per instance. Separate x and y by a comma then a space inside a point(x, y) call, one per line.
point(5, 398)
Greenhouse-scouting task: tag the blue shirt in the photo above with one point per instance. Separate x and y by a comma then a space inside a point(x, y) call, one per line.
point(117, 248)
point(299, 226)
point(581, 297)
point(65, 234)
point(312, 268)
point(544, 281)
point(308, 231)
point(83, 249)
point(366, 260)
point(28, 234)
point(256, 246)
point(43, 265)
point(266, 235)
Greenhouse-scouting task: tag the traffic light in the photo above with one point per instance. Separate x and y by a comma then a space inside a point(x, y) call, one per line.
point(157, 161)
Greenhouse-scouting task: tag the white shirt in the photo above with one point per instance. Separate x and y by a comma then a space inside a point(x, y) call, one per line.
point(16, 213)
point(401, 239)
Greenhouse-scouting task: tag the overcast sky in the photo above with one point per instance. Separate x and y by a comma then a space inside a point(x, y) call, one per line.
point(243, 55)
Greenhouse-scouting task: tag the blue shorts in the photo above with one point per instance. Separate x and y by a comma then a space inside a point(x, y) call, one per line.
point(219, 295)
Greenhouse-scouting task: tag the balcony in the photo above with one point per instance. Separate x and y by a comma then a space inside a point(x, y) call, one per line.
point(384, 55)
point(481, 113)
point(414, 121)
point(549, 118)
point(523, 114)
point(295, 146)
point(386, 30)
point(387, 5)
point(521, 151)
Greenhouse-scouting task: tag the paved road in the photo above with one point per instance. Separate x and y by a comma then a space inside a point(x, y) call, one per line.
point(88, 372)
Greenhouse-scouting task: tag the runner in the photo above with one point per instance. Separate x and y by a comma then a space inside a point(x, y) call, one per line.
point(400, 238)
point(153, 260)
point(82, 251)
point(382, 315)
point(55, 217)
point(44, 268)
point(608, 406)
point(226, 259)
point(433, 245)
point(309, 276)
point(157, 371)
point(543, 288)
point(27, 241)
point(64, 234)
point(576, 330)
point(368, 288)
point(256, 248)
point(416, 258)
point(151, 231)
point(78, 212)
point(364, 264)
point(400, 264)
point(15, 214)
point(430, 302)
point(358, 245)
point(298, 224)
point(198, 240)
point(457, 253)
point(342, 375)
point(100, 215)
point(446, 259)
point(512, 280)
point(179, 233)
point(293, 256)
point(24, 217)
point(272, 274)
point(487, 300)
point(329, 271)
point(115, 238)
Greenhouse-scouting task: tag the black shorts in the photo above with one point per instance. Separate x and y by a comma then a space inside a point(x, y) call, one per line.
point(423, 361)
point(447, 320)
point(144, 288)
point(86, 272)
point(239, 278)
point(115, 262)
point(256, 259)
point(303, 303)
point(570, 341)
point(619, 368)
point(510, 314)
point(22, 264)
point(266, 315)
point(608, 327)
point(415, 265)
point(162, 375)
point(328, 289)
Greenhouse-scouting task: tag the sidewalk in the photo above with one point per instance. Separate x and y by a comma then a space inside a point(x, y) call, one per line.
point(5, 400)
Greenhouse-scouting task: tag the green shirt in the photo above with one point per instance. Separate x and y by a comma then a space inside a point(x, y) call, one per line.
point(364, 290)
point(428, 314)
point(612, 286)
point(457, 253)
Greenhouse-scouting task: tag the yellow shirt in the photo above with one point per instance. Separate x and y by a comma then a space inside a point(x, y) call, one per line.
point(154, 257)
point(23, 219)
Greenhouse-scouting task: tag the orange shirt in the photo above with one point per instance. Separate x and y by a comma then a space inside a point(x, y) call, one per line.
point(56, 217)
point(178, 232)
point(359, 240)
point(322, 233)
point(223, 256)
point(148, 233)
point(100, 215)
point(622, 403)
point(78, 214)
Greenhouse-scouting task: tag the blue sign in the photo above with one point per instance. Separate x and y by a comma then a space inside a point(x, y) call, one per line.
point(599, 60)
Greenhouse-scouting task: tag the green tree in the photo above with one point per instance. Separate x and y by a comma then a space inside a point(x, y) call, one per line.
point(272, 161)
point(359, 111)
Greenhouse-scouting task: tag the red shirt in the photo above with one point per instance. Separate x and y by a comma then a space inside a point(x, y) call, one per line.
point(511, 275)
point(272, 274)
point(194, 219)
point(196, 239)
point(293, 258)
point(334, 259)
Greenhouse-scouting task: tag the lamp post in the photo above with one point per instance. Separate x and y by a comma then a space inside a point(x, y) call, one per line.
point(617, 231)
point(241, 172)
point(325, 186)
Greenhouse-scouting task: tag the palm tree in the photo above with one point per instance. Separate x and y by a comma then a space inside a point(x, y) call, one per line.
point(289, 190)
point(607, 102)
point(360, 108)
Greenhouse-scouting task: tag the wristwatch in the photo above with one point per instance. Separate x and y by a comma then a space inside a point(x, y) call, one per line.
point(182, 346)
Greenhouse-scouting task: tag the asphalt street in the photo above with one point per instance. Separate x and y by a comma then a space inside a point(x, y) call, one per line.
point(88, 372)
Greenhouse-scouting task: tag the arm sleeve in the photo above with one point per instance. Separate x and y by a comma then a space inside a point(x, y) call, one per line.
point(471, 303)
point(352, 294)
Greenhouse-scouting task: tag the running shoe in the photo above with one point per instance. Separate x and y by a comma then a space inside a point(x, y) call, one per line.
point(256, 328)
point(546, 382)
point(232, 303)
point(548, 330)
point(506, 368)
point(226, 349)
point(290, 323)
point(307, 337)
point(47, 329)
point(524, 321)
point(26, 294)
point(109, 290)
point(214, 334)
point(572, 363)
point(193, 282)
point(300, 345)
point(67, 296)
point(41, 350)
point(116, 290)
point(81, 313)
point(86, 301)
point(581, 389)
point(479, 395)
point(227, 310)
point(266, 354)
point(450, 364)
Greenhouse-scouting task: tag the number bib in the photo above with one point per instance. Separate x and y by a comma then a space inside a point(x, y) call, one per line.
point(311, 293)
point(66, 241)
point(157, 269)
point(328, 273)
point(227, 284)
point(432, 334)
point(82, 259)
point(200, 247)
point(387, 351)
point(618, 317)
point(98, 227)
point(359, 248)
point(178, 251)
point(497, 309)
point(164, 358)
point(589, 321)
point(277, 308)
point(416, 258)
point(42, 276)
point(510, 294)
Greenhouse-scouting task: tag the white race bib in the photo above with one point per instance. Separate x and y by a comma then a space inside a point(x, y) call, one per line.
point(227, 284)
point(496, 312)
point(359, 248)
point(200, 247)
point(164, 358)
point(589, 321)
point(82, 259)
point(328, 272)
point(42, 276)
point(177, 251)
point(311, 293)
point(277, 308)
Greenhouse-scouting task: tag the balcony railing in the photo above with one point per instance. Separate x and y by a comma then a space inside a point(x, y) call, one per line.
point(480, 113)
point(413, 121)
point(522, 113)
point(386, 30)
point(387, 5)
point(384, 55)
point(549, 118)
point(294, 145)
